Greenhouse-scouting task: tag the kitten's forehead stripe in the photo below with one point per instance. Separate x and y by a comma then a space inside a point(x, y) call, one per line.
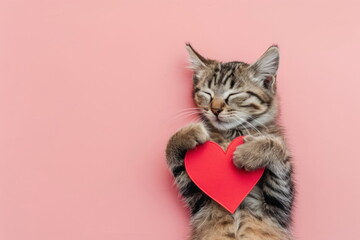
point(226, 76)
point(211, 80)
point(229, 75)
point(218, 74)
point(224, 73)
point(232, 83)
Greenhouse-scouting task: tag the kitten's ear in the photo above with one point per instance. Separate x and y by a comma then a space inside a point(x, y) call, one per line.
point(265, 68)
point(197, 61)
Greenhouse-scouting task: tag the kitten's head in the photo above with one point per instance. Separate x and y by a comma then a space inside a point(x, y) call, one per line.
point(235, 94)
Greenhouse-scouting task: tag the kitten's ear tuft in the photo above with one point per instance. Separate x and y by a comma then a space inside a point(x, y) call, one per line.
point(268, 64)
point(197, 61)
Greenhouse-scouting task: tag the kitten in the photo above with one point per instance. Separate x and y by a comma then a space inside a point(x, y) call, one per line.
point(233, 99)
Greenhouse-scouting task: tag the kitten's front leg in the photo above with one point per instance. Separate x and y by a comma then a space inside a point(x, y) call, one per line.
point(276, 199)
point(259, 151)
point(185, 139)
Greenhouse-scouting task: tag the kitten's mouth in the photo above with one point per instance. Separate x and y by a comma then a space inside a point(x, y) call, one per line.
point(223, 123)
point(217, 120)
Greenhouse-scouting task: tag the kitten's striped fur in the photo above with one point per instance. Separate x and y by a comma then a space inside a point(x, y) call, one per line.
point(234, 99)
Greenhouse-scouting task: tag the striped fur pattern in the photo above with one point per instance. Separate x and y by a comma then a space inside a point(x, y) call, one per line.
point(233, 99)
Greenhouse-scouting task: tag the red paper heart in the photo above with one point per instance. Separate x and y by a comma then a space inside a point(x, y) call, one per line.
point(213, 171)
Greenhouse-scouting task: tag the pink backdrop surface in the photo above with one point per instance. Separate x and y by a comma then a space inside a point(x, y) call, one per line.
point(90, 90)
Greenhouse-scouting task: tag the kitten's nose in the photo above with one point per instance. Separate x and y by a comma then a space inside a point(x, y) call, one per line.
point(216, 111)
point(217, 105)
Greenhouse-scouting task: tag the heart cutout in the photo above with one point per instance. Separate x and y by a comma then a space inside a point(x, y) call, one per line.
point(213, 171)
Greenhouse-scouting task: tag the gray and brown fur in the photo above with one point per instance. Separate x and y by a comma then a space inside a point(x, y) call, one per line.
point(236, 98)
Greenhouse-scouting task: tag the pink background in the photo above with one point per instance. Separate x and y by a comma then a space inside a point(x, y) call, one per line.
point(90, 90)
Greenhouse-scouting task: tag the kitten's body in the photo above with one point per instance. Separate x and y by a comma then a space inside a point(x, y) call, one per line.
point(266, 211)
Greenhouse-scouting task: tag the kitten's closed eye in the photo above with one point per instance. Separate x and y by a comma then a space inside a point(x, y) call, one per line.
point(251, 105)
point(237, 95)
point(204, 98)
point(209, 94)
point(227, 98)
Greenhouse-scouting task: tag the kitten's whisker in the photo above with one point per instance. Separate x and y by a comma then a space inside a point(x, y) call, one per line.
point(239, 122)
point(185, 111)
point(183, 116)
point(245, 128)
point(195, 120)
point(179, 114)
point(186, 114)
point(260, 123)
point(188, 109)
point(252, 126)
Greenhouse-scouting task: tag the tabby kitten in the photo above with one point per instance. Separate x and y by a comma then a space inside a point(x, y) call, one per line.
point(233, 99)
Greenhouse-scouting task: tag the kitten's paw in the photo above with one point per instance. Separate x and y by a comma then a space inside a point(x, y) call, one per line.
point(190, 136)
point(250, 155)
